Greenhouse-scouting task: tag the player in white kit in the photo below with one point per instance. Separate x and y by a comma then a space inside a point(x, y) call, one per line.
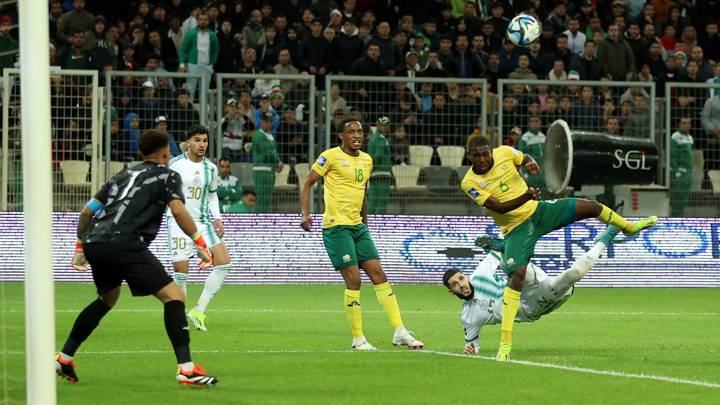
point(199, 178)
point(482, 292)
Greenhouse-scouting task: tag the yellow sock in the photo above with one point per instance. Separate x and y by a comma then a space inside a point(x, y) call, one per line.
point(610, 217)
point(511, 302)
point(389, 303)
point(352, 308)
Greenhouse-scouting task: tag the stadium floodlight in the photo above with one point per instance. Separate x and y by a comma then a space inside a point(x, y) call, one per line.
point(37, 181)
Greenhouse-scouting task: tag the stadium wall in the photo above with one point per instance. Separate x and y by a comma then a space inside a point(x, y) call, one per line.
point(415, 249)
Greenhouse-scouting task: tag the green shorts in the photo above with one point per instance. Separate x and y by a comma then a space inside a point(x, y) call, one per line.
point(349, 245)
point(520, 243)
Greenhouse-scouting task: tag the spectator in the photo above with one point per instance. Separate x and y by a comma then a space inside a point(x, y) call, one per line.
point(263, 110)
point(233, 127)
point(447, 22)
point(563, 52)
point(265, 162)
point(636, 42)
point(467, 66)
point(540, 61)
point(389, 54)
point(493, 40)
point(76, 20)
point(268, 48)
point(587, 64)
point(175, 33)
point(381, 178)
point(508, 57)
point(558, 18)
point(671, 74)
point(669, 40)
point(654, 59)
point(411, 69)
point(493, 73)
point(56, 12)
point(430, 32)
point(229, 49)
point(400, 146)
point(245, 205)
point(248, 66)
point(349, 45)
point(513, 137)
point(478, 50)
point(637, 122)
point(281, 27)
point(8, 46)
point(523, 71)
point(336, 20)
point(532, 143)
point(229, 189)
point(615, 56)
point(576, 39)
point(158, 20)
point(182, 113)
point(75, 57)
point(315, 54)
point(161, 125)
point(263, 86)
point(709, 41)
point(681, 167)
point(162, 47)
point(705, 71)
point(132, 132)
point(551, 112)
point(253, 31)
point(587, 112)
point(148, 106)
point(557, 73)
point(285, 67)
point(612, 126)
point(497, 19)
point(291, 137)
point(710, 117)
point(439, 123)
point(200, 50)
point(714, 80)
point(336, 100)
point(692, 73)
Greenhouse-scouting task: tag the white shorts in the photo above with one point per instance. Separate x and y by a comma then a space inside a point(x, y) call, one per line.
point(538, 295)
point(182, 247)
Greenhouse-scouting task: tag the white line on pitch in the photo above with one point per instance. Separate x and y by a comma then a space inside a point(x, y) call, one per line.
point(586, 370)
point(421, 312)
point(583, 370)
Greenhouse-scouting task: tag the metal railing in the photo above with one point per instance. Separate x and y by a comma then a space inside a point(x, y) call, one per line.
point(75, 139)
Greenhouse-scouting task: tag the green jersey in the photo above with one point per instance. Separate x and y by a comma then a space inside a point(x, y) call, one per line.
point(264, 149)
point(681, 146)
point(379, 150)
point(229, 191)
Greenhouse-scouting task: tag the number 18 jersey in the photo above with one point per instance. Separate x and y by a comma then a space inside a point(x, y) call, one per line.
point(199, 179)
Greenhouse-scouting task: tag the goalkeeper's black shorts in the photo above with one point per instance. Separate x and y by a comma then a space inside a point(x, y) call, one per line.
point(113, 263)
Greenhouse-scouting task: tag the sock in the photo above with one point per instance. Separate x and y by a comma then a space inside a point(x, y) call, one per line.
point(85, 323)
point(212, 285)
point(177, 330)
point(578, 270)
point(65, 357)
point(181, 281)
point(187, 366)
point(610, 217)
point(511, 303)
point(352, 308)
point(387, 299)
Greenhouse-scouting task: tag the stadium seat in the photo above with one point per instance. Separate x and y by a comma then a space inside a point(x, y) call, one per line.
point(420, 155)
point(281, 179)
point(116, 167)
point(451, 156)
point(243, 171)
point(75, 173)
point(301, 170)
point(406, 177)
point(461, 172)
point(698, 169)
point(437, 177)
point(714, 176)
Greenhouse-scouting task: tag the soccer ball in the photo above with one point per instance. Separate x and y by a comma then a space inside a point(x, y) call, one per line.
point(523, 30)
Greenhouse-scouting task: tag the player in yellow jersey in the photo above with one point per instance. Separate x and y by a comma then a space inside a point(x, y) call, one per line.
point(494, 182)
point(346, 170)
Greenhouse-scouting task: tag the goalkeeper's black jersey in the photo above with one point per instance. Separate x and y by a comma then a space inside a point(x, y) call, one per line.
point(134, 202)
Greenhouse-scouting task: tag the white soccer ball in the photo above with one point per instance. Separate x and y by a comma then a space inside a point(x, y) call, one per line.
point(523, 30)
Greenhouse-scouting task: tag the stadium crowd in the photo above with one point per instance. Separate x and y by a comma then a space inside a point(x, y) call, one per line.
point(657, 41)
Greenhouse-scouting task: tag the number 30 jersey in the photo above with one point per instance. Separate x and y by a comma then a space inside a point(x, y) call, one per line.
point(199, 183)
point(345, 179)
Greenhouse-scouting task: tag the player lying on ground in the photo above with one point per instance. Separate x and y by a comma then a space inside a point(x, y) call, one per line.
point(199, 183)
point(494, 182)
point(346, 170)
point(482, 292)
point(114, 231)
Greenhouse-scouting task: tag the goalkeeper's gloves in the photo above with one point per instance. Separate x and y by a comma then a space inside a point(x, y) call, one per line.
point(79, 262)
point(206, 258)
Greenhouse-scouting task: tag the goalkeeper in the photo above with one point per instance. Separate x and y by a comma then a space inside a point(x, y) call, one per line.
point(482, 292)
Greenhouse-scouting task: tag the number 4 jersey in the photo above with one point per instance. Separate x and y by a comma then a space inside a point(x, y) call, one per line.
point(345, 179)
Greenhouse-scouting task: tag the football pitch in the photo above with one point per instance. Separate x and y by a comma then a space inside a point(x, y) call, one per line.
point(289, 344)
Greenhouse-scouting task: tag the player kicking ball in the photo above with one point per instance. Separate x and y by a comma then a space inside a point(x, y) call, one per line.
point(346, 170)
point(494, 182)
point(482, 292)
point(199, 182)
point(114, 231)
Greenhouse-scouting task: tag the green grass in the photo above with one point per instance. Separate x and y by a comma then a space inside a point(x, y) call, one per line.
point(664, 332)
